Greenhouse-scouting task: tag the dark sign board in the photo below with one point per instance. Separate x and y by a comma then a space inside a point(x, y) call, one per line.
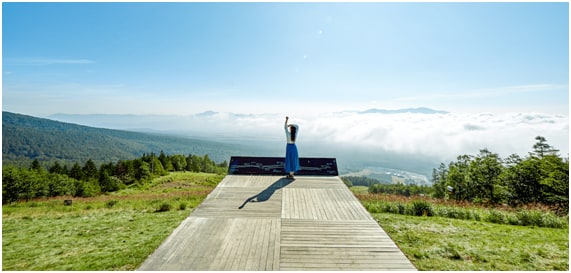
point(275, 166)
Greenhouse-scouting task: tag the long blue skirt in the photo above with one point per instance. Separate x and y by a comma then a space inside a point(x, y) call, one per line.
point(291, 159)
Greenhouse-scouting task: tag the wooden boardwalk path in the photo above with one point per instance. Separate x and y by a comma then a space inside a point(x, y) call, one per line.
point(269, 223)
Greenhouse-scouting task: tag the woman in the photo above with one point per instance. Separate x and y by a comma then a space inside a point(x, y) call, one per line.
point(292, 157)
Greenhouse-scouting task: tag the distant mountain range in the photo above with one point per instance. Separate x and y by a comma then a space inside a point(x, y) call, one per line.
point(25, 138)
point(189, 124)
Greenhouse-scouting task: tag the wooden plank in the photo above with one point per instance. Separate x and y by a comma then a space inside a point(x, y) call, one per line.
point(265, 232)
point(321, 204)
point(355, 245)
point(312, 223)
point(276, 249)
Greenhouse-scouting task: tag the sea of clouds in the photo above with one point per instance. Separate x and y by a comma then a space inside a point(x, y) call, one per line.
point(438, 136)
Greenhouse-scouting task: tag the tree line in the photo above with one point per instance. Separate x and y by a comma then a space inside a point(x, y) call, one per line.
point(541, 177)
point(90, 180)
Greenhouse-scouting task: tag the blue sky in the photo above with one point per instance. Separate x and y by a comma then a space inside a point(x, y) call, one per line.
point(185, 58)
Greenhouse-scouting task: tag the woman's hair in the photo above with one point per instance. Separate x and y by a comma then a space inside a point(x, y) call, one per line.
point(293, 131)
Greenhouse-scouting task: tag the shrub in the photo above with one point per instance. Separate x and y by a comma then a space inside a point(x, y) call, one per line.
point(530, 218)
point(109, 204)
point(455, 213)
point(390, 208)
point(375, 207)
point(409, 210)
point(477, 216)
point(182, 206)
point(553, 221)
point(496, 217)
point(402, 208)
point(371, 207)
point(164, 207)
point(537, 218)
point(440, 211)
point(422, 208)
point(513, 220)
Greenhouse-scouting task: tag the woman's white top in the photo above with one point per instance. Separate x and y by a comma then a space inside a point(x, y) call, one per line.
point(288, 133)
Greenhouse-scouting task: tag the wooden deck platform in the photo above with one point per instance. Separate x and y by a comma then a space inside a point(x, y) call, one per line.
point(269, 223)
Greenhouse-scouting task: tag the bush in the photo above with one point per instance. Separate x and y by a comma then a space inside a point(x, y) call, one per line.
point(374, 207)
point(422, 208)
point(513, 220)
point(390, 208)
point(529, 218)
point(440, 211)
point(164, 207)
point(109, 204)
point(537, 218)
point(497, 217)
point(182, 206)
point(476, 216)
point(553, 221)
point(455, 214)
point(409, 210)
point(402, 208)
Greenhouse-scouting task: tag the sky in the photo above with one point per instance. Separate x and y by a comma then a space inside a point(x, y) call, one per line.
point(184, 58)
point(500, 69)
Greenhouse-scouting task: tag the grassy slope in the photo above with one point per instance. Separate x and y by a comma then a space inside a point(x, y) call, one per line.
point(111, 232)
point(435, 243)
point(119, 231)
point(26, 138)
point(438, 243)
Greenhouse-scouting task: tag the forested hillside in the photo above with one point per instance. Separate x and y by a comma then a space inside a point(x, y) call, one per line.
point(86, 179)
point(26, 138)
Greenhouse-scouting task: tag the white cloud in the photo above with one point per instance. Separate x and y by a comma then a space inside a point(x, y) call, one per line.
point(440, 136)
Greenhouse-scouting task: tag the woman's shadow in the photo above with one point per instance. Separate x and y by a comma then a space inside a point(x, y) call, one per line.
point(267, 192)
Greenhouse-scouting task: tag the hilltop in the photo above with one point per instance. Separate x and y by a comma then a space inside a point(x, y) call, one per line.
point(25, 138)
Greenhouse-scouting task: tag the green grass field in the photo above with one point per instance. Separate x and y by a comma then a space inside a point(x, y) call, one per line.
point(466, 237)
point(436, 243)
point(109, 232)
point(118, 231)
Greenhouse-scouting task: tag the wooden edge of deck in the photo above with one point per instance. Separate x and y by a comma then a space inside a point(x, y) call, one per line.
point(263, 222)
